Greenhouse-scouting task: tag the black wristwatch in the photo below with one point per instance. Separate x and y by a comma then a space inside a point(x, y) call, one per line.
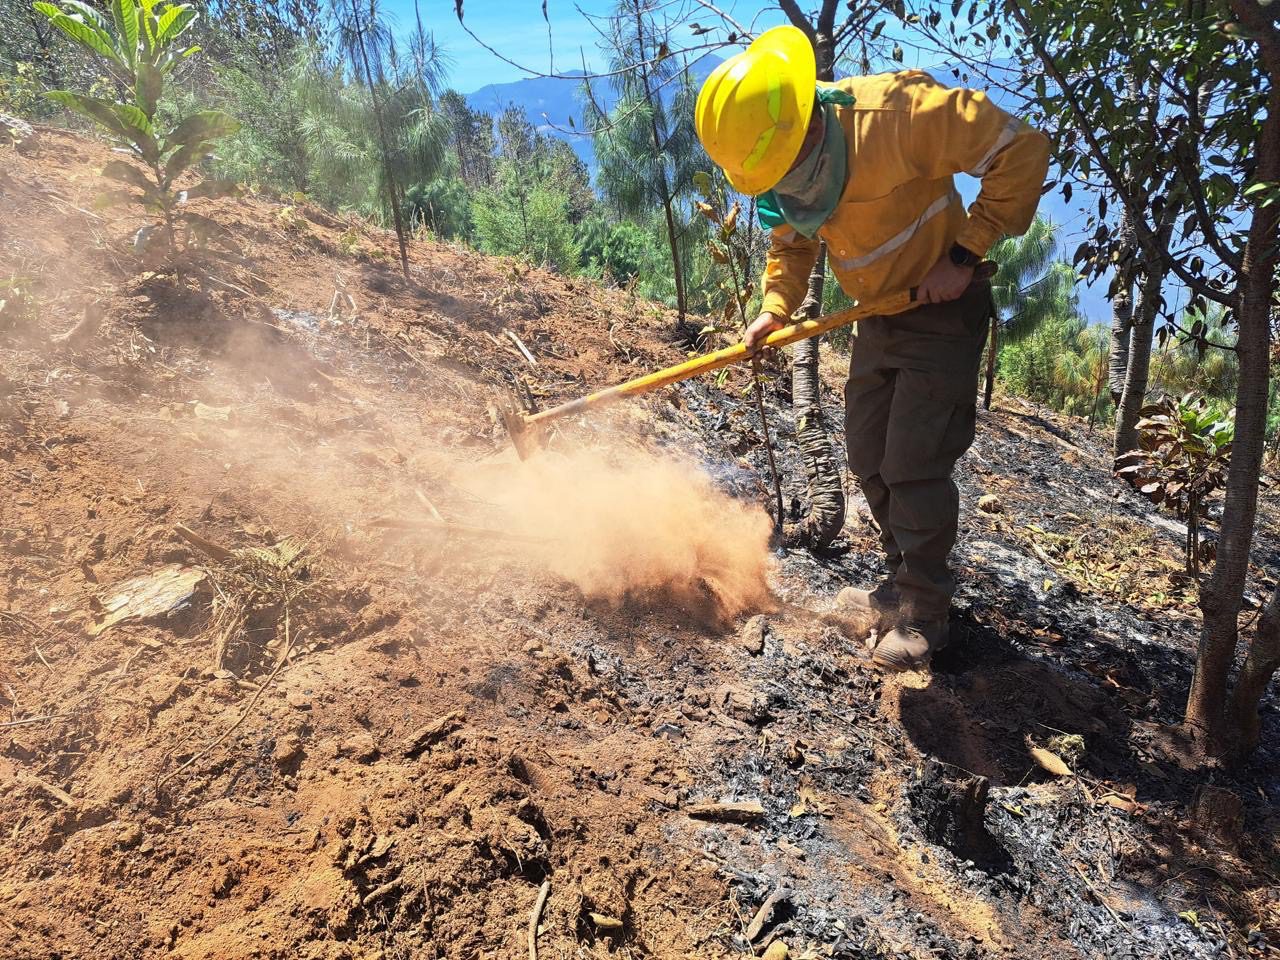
point(963, 257)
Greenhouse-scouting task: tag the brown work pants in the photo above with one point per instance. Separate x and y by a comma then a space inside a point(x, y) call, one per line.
point(910, 408)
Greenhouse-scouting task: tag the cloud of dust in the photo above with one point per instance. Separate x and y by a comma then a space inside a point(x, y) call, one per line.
point(621, 522)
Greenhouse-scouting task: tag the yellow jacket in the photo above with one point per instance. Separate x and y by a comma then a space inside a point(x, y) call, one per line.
point(899, 212)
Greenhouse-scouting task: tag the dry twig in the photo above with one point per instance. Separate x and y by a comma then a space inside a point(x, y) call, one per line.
point(535, 917)
point(253, 701)
point(48, 718)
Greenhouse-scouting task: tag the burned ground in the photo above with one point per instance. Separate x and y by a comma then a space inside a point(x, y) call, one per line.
point(370, 732)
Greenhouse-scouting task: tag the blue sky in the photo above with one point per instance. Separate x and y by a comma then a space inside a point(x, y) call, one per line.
point(516, 29)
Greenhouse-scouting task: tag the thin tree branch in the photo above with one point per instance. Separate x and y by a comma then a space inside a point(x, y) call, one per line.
point(545, 75)
point(738, 28)
point(798, 19)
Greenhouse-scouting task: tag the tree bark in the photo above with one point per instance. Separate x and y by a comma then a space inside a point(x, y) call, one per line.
point(1138, 369)
point(1121, 313)
point(1259, 667)
point(1222, 597)
point(386, 146)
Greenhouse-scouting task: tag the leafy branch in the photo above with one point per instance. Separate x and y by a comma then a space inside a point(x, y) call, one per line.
point(139, 43)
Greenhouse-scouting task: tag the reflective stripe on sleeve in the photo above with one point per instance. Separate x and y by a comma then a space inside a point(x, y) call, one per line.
point(900, 238)
point(1007, 135)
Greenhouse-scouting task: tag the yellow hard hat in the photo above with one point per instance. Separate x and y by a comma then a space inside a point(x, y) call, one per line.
point(754, 109)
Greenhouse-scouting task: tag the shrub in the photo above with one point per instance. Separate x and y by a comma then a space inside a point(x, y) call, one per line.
point(139, 44)
point(1183, 456)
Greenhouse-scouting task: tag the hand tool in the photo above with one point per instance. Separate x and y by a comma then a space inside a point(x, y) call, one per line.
point(527, 430)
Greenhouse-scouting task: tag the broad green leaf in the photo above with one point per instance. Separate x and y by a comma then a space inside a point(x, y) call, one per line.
point(174, 21)
point(93, 108)
point(147, 87)
point(87, 13)
point(184, 157)
point(147, 20)
point(133, 118)
point(204, 125)
point(123, 120)
point(87, 36)
point(125, 15)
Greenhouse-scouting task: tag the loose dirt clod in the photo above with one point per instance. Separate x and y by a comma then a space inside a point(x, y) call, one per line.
point(753, 634)
point(432, 732)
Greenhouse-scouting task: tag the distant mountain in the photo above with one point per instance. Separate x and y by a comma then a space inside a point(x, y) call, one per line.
point(550, 103)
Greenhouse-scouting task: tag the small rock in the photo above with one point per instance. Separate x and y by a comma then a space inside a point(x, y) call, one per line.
point(668, 731)
point(605, 923)
point(360, 747)
point(990, 503)
point(753, 633)
point(298, 700)
point(287, 753)
point(17, 132)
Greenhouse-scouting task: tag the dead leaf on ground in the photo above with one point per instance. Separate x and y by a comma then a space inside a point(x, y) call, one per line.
point(1050, 761)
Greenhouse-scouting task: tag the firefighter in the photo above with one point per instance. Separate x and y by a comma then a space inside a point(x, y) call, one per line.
point(866, 164)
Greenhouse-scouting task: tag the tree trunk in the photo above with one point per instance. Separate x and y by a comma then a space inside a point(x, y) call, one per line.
point(992, 349)
point(1259, 667)
point(1121, 313)
point(672, 238)
point(825, 519)
point(386, 147)
point(826, 491)
point(1139, 366)
point(1222, 597)
point(674, 243)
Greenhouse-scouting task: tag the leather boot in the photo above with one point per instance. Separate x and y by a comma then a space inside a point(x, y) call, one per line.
point(875, 607)
point(911, 644)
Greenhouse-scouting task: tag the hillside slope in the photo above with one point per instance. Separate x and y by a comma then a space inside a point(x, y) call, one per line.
point(392, 681)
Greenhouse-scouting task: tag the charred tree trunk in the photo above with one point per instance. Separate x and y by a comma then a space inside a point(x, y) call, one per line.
point(826, 491)
point(1222, 597)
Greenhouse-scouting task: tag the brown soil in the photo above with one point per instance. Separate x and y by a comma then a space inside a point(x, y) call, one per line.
point(449, 719)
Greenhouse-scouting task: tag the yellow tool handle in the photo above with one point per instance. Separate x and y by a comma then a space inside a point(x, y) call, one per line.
point(895, 303)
